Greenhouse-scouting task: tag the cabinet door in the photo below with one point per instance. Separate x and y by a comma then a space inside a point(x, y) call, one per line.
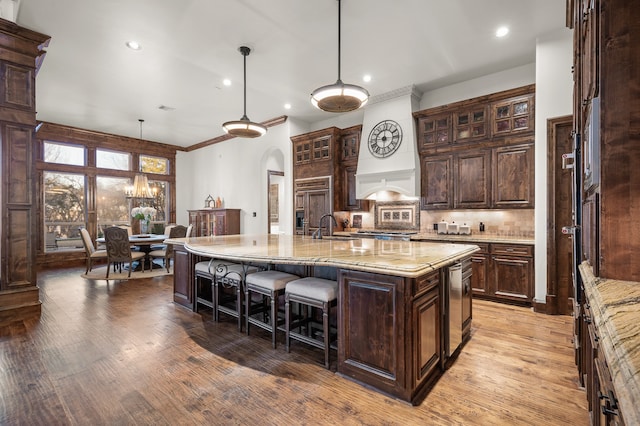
point(183, 277)
point(348, 198)
point(426, 334)
point(299, 205)
point(513, 177)
point(512, 278)
point(350, 146)
point(219, 225)
point(472, 181)
point(317, 204)
point(513, 116)
point(437, 181)
point(434, 131)
point(302, 152)
point(480, 274)
point(471, 124)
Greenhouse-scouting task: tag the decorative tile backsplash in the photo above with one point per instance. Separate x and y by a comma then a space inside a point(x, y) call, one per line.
point(516, 223)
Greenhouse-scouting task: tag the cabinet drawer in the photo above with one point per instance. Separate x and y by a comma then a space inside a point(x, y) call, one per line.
point(426, 282)
point(308, 184)
point(512, 250)
point(484, 248)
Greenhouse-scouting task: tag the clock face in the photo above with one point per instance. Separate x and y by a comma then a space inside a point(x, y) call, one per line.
point(385, 138)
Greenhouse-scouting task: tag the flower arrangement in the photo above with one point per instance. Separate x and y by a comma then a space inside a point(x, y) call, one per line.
point(144, 215)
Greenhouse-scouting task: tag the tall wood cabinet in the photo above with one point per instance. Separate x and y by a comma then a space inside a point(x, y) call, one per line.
point(606, 108)
point(478, 153)
point(324, 169)
point(208, 222)
point(21, 54)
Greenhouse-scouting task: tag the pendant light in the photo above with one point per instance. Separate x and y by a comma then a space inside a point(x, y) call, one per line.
point(244, 128)
point(339, 97)
point(140, 189)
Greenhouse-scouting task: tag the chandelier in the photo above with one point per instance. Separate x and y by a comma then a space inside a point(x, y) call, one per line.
point(140, 189)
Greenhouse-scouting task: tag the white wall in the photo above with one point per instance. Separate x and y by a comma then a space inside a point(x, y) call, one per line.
point(236, 170)
point(485, 85)
point(554, 98)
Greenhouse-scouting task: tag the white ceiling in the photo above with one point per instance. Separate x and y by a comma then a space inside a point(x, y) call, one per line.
point(90, 79)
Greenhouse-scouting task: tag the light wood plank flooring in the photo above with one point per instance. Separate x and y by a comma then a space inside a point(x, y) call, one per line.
point(121, 353)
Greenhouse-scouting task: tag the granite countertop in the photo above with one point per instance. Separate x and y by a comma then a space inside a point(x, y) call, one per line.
point(614, 308)
point(398, 258)
point(471, 239)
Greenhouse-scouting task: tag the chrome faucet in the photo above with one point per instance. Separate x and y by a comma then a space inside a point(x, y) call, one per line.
point(318, 233)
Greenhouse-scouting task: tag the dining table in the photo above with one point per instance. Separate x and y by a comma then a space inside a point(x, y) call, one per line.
point(144, 242)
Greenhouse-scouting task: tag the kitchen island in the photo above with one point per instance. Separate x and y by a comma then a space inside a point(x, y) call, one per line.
point(393, 309)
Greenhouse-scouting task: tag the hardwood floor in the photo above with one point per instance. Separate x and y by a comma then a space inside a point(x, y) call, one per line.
point(124, 353)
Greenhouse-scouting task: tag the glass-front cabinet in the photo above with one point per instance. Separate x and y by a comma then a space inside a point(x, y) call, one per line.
point(212, 222)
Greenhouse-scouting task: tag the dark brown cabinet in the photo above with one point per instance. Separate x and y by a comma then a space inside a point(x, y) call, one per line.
point(478, 153)
point(513, 176)
point(601, 396)
point(512, 275)
point(471, 124)
point(399, 350)
point(324, 170)
point(312, 200)
point(346, 199)
point(472, 179)
point(208, 222)
point(479, 179)
point(480, 264)
point(502, 272)
point(434, 131)
point(437, 182)
point(513, 116)
point(183, 276)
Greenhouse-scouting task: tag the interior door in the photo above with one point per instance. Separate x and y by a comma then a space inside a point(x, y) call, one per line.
point(561, 217)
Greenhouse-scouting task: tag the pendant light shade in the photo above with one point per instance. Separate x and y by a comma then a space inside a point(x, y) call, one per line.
point(244, 128)
point(339, 97)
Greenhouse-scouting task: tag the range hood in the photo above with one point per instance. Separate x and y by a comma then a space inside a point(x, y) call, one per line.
point(400, 171)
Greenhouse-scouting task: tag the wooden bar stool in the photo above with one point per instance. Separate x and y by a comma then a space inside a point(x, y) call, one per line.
point(205, 270)
point(230, 276)
point(309, 293)
point(270, 284)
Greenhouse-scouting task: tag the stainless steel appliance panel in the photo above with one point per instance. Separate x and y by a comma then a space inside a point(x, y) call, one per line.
point(455, 308)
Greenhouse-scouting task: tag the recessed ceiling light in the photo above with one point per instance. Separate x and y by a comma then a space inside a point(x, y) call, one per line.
point(287, 106)
point(226, 82)
point(366, 78)
point(133, 45)
point(502, 31)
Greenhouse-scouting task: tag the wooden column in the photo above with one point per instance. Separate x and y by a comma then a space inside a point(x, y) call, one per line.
point(20, 57)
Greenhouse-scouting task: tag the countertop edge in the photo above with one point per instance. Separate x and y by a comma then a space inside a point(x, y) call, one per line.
point(616, 338)
point(409, 272)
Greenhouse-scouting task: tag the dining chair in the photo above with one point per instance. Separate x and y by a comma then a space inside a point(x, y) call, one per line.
point(119, 249)
point(90, 250)
point(178, 231)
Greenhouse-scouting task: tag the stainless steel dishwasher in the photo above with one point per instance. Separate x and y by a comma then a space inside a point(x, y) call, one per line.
point(454, 298)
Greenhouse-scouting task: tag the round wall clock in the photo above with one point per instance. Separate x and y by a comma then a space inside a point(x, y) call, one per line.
point(385, 138)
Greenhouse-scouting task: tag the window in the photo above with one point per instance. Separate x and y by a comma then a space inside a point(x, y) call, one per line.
point(64, 211)
point(159, 189)
point(64, 154)
point(82, 184)
point(155, 165)
point(112, 207)
point(113, 160)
